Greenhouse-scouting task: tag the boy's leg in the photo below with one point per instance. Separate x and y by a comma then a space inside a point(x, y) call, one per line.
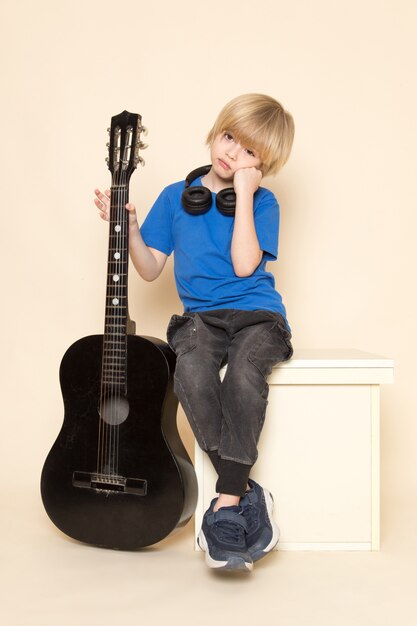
point(254, 350)
point(200, 351)
point(201, 348)
point(261, 339)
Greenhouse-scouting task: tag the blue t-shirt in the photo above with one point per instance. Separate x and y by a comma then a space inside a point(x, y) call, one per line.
point(201, 244)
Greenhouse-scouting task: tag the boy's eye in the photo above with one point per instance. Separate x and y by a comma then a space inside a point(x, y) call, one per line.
point(228, 136)
point(250, 152)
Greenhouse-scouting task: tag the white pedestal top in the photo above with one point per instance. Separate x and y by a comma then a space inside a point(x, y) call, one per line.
point(333, 366)
point(337, 357)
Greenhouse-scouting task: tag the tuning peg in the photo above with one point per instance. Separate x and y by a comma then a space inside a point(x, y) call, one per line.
point(141, 161)
point(143, 130)
point(141, 145)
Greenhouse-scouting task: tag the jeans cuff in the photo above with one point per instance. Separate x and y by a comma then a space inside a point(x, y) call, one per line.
point(214, 458)
point(233, 477)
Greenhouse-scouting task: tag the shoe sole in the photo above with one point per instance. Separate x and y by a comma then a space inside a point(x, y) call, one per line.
point(259, 554)
point(234, 563)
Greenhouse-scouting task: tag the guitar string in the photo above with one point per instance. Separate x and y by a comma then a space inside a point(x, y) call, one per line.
point(114, 354)
point(113, 269)
point(121, 363)
point(112, 333)
point(119, 360)
point(110, 369)
point(103, 388)
point(106, 400)
point(114, 367)
point(123, 301)
point(123, 260)
point(102, 406)
point(106, 406)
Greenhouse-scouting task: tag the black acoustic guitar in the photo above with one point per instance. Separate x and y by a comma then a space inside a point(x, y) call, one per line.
point(118, 475)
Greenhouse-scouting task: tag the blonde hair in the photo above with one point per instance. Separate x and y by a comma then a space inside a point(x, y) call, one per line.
point(261, 123)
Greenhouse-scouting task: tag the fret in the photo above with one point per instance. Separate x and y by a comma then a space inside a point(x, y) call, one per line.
point(118, 327)
point(116, 361)
point(122, 349)
point(113, 368)
point(112, 352)
point(110, 373)
point(110, 362)
point(118, 269)
point(111, 381)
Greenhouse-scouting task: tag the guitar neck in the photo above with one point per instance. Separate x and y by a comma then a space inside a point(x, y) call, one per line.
point(123, 158)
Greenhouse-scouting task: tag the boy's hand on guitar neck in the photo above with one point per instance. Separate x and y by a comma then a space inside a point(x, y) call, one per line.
point(102, 202)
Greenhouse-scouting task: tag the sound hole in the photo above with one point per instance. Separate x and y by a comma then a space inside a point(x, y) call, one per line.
point(114, 410)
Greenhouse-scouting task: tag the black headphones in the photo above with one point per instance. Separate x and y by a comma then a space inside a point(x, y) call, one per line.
point(198, 200)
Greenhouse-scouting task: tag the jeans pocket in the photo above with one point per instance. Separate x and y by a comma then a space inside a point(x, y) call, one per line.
point(274, 346)
point(182, 334)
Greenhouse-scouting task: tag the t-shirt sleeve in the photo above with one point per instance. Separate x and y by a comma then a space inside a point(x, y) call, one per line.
point(156, 230)
point(267, 224)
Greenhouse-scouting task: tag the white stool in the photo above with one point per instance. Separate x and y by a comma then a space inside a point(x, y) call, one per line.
point(319, 450)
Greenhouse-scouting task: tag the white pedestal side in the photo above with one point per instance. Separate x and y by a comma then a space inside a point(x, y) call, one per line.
point(319, 450)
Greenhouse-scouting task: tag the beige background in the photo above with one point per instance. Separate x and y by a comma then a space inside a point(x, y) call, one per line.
point(346, 70)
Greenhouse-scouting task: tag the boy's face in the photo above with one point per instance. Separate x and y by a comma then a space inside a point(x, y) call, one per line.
point(228, 156)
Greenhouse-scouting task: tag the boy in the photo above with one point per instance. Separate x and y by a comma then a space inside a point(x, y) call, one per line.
point(223, 228)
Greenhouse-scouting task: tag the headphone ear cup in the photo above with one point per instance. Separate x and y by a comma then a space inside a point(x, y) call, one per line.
point(226, 202)
point(196, 200)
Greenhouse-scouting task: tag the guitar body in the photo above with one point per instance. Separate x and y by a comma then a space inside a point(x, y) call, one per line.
point(163, 492)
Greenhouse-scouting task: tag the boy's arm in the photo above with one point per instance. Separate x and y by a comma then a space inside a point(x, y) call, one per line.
point(245, 250)
point(148, 262)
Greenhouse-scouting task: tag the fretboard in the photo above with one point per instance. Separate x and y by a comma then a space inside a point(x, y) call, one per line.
point(116, 316)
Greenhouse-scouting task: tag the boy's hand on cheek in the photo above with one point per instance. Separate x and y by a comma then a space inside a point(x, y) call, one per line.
point(247, 180)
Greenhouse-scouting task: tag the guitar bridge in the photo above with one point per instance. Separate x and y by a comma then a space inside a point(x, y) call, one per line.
point(106, 482)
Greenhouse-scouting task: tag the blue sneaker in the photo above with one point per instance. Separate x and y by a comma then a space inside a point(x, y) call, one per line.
point(223, 538)
point(262, 532)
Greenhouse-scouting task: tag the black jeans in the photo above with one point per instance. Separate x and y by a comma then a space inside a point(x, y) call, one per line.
point(227, 416)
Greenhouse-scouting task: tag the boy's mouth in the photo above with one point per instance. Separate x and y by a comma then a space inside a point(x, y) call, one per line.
point(224, 165)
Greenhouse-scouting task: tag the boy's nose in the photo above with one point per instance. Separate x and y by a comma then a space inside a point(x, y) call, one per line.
point(232, 152)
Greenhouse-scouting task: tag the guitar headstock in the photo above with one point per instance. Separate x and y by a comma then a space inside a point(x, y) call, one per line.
point(124, 145)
